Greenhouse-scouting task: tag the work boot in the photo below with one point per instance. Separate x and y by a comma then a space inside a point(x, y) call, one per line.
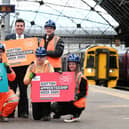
point(3, 119)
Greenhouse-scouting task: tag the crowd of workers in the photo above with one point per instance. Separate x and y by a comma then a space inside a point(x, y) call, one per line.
point(47, 59)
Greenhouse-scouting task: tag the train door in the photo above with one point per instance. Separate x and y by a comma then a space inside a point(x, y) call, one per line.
point(102, 63)
point(102, 66)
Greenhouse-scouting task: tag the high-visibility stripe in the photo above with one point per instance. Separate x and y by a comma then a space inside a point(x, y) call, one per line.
point(55, 42)
point(11, 96)
point(16, 100)
point(77, 84)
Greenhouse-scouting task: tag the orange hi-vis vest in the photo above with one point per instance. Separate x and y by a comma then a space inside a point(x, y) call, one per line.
point(82, 101)
point(45, 69)
point(54, 61)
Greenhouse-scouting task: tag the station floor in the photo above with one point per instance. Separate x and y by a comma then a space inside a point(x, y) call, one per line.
point(106, 109)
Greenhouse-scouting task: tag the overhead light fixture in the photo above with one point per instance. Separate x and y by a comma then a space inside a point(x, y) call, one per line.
point(32, 23)
point(78, 25)
point(41, 2)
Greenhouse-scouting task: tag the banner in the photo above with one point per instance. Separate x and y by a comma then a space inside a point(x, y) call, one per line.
point(20, 52)
point(3, 79)
point(53, 87)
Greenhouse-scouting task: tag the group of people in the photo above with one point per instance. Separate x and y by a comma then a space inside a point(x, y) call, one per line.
point(48, 59)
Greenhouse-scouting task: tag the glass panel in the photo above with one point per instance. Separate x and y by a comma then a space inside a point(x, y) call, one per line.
point(90, 62)
point(112, 63)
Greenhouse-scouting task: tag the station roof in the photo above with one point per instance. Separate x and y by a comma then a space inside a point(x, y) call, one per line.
point(119, 10)
point(84, 16)
point(71, 16)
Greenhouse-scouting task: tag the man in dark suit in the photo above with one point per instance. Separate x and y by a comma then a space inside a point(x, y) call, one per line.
point(23, 109)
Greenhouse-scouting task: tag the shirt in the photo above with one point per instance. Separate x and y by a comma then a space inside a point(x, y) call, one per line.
point(19, 36)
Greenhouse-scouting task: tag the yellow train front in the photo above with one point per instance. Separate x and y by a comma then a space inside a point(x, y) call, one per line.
point(101, 66)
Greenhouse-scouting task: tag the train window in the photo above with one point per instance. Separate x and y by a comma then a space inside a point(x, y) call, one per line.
point(112, 63)
point(91, 52)
point(90, 62)
point(112, 53)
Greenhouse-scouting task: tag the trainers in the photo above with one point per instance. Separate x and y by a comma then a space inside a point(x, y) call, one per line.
point(3, 119)
point(72, 119)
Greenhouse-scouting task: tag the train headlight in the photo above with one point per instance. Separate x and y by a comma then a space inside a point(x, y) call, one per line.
point(111, 70)
point(89, 70)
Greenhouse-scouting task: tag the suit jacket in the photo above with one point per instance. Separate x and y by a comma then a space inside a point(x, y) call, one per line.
point(13, 36)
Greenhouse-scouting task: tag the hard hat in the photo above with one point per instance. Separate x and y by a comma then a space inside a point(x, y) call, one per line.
point(50, 23)
point(74, 58)
point(40, 52)
point(2, 47)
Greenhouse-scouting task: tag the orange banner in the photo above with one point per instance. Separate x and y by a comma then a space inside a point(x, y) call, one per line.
point(20, 52)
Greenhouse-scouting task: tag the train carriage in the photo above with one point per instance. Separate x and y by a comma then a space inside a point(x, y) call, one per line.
point(101, 66)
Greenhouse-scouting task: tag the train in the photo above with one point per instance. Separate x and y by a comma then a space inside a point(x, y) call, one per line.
point(100, 64)
point(123, 81)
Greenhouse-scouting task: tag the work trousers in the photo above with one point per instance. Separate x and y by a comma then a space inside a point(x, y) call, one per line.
point(40, 110)
point(66, 108)
point(18, 82)
point(8, 102)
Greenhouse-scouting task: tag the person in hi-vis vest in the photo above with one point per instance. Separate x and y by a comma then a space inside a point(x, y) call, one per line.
point(53, 44)
point(75, 107)
point(8, 100)
point(40, 110)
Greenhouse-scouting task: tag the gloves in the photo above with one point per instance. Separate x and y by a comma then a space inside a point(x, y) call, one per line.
point(7, 68)
point(60, 71)
point(76, 98)
point(32, 75)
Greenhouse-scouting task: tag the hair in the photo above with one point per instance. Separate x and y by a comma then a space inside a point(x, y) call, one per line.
point(20, 20)
point(77, 68)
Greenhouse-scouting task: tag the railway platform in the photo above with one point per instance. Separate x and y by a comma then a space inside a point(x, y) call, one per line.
point(106, 109)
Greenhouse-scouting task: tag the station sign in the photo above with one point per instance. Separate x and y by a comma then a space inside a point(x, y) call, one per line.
point(7, 8)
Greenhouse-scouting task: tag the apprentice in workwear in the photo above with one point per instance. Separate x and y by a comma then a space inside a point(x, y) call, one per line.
point(8, 100)
point(40, 110)
point(53, 44)
point(75, 107)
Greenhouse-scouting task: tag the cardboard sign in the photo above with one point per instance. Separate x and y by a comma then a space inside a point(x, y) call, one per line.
point(20, 52)
point(3, 79)
point(53, 87)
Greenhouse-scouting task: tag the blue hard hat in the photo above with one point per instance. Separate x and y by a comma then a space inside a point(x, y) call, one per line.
point(74, 58)
point(41, 52)
point(50, 23)
point(2, 47)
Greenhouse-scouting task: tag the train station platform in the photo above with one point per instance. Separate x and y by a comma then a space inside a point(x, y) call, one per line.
point(106, 109)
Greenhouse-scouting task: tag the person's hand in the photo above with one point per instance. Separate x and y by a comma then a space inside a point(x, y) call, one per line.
point(60, 71)
point(76, 98)
point(32, 75)
point(7, 68)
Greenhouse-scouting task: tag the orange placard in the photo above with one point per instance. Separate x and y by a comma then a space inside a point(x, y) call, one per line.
point(20, 52)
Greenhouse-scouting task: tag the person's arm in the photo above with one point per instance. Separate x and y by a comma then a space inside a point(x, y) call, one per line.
point(11, 76)
point(28, 76)
point(58, 50)
point(7, 37)
point(10, 73)
point(82, 88)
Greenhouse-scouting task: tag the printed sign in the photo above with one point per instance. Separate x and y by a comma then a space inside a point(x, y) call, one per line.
point(53, 87)
point(3, 79)
point(20, 52)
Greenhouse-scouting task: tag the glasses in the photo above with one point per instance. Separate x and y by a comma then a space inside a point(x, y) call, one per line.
point(39, 56)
